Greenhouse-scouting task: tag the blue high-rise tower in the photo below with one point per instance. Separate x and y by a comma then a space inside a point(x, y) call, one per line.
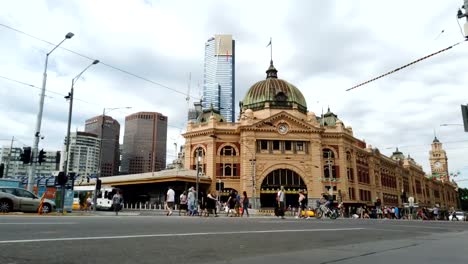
point(219, 76)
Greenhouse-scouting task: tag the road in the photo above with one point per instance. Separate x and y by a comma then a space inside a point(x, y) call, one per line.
point(161, 239)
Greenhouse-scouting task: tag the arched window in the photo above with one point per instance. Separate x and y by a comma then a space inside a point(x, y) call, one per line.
point(228, 151)
point(199, 159)
point(328, 153)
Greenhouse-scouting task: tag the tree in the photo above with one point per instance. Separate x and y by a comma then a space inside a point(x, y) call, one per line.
point(463, 194)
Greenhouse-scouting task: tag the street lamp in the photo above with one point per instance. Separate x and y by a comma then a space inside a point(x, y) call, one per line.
point(67, 148)
point(37, 134)
point(104, 111)
point(199, 157)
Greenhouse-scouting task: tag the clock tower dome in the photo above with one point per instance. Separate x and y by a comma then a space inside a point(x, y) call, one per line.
point(438, 161)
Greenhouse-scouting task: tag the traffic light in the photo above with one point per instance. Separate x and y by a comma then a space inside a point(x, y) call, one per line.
point(42, 156)
point(464, 109)
point(98, 184)
point(2, 168)
point(25, 156)
point(62, 178)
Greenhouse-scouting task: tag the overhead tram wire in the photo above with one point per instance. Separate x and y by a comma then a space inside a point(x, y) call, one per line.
point(36, 87)
point(77, 99)
point(406, 65)
point(101, 62)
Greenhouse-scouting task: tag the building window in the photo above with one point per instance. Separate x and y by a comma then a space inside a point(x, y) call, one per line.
point(350, 174)
point(276, 144)
point(327, 153)
point(228, 151)
point(287, 146)
point(300, 146)
point(263, 145)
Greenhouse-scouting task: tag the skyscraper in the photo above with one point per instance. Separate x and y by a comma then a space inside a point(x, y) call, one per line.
point(83, 157)
point(109, 129)
point(219, 76)
point(144, 146)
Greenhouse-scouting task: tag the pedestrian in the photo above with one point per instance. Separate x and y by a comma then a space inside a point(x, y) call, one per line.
point(378, 207)
point(397, 213)
point(245, 204)
point(170, 199)
point(231, 202)
point(302, 205)
point(211, 202)
point(89, 202)
point(117, 202)
point(435, 212)
point(191, 201)
point(202, 204)
point(281, 201)
point(183, 203)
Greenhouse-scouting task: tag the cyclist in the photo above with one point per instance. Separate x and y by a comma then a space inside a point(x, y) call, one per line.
point(327, 200)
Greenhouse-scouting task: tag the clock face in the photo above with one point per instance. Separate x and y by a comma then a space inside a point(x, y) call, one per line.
point(438, 165)
point(283, 128)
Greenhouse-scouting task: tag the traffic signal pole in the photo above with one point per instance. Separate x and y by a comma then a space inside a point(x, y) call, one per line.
point(37, 134)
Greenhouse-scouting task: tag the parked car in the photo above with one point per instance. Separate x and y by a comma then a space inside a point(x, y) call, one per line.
point(18, 199)
point(460, 216)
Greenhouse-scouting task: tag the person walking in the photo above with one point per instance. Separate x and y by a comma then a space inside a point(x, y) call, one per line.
point(281, 199)
point(191, 201)
point(183, 203)
point(211, 203)
point(231, 202)
point(245, 204)
point(170, 199)
point(302, 205)
point(117, 202)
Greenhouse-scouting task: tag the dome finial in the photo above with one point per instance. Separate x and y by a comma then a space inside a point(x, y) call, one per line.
point(272, 72)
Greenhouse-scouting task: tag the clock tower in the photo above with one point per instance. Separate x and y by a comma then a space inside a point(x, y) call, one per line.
point(438, 161)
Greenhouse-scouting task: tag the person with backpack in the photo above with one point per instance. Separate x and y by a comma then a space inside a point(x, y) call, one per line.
point(117, 202)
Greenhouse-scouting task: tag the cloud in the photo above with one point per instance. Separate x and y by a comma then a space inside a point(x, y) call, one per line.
point(322, 47)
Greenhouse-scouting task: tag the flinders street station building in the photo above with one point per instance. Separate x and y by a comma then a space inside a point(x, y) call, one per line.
point(278, 142)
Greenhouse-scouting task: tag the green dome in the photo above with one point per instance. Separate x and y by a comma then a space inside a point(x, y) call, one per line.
point(279, 93)
point(208, 114)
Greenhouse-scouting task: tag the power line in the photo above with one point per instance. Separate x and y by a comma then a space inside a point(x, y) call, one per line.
point(49, 91)
point(101, 62)
point(404, 66)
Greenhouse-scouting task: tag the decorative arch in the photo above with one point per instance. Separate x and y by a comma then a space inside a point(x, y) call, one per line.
point(201, 165)
point(277, 176)
point(220, 149)
point(327, 149)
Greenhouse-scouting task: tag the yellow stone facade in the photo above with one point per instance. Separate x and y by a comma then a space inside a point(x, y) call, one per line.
point(275, 143)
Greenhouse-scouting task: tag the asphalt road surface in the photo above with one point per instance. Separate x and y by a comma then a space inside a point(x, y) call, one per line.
point(160, 239)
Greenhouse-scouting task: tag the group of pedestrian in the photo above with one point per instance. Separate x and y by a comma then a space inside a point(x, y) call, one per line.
point(208, 204)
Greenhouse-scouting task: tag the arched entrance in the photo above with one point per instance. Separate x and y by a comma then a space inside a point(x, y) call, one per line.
point(292, 183)
point(224, 194)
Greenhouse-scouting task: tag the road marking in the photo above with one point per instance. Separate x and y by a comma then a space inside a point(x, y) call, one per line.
point(43, 223)
point(175, 235)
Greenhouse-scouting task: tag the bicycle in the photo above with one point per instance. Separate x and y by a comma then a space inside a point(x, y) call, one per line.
point(324, 210)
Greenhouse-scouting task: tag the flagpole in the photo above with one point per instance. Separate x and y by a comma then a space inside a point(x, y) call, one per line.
point(271, 50)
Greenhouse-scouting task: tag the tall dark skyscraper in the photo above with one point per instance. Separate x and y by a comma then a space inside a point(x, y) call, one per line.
point(109, 129)
point(144, 146)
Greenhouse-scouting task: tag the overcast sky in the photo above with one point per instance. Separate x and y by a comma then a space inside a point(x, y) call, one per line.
point(322, 47)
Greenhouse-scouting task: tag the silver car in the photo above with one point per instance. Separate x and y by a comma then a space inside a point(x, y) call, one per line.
point(17, 199)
